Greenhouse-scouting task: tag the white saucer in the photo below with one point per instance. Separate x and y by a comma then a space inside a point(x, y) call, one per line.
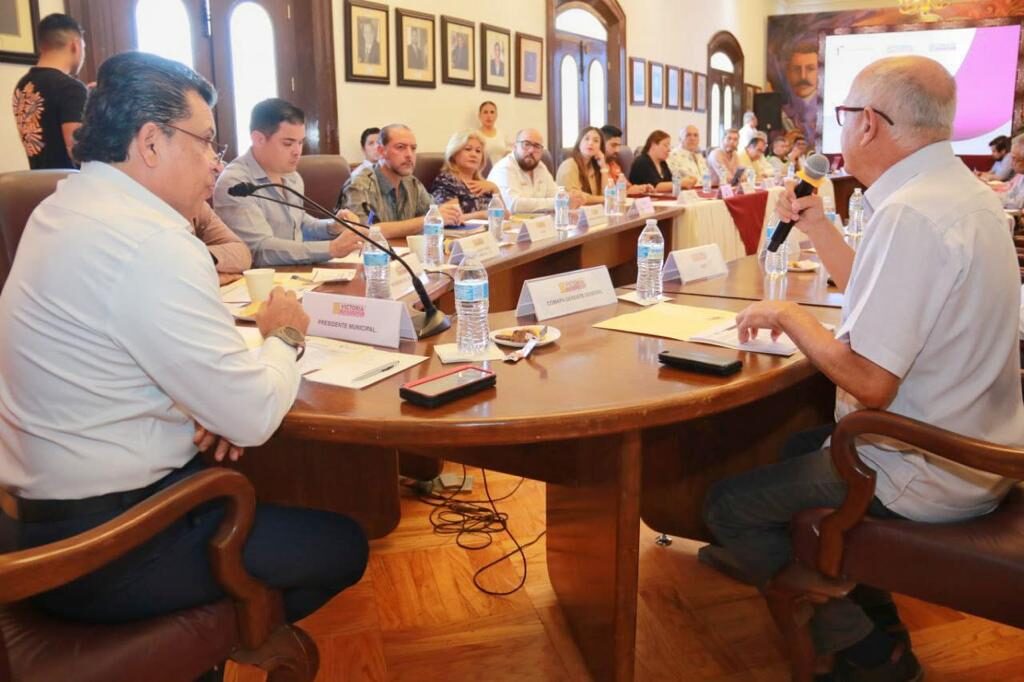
point(550, 336)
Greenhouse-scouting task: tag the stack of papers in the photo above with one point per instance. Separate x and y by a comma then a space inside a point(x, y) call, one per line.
point(725, 335)
point(356, 257)
point(299, 282)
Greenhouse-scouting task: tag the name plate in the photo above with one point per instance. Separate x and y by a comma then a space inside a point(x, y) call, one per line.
point(571, 292)
point(727, 191)
point(688, 197)
point(537, 229)
point(689, 265)
point(644, 206)
point(591, 216)
point(749, 188)
point(482, 245)
point(399, 281)
point(374, 321)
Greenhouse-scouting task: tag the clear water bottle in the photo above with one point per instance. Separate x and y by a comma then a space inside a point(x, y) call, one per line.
point(433, 237)
point(775, 263)
point(791, 171)
point(828, 204)
point(611, 198)
point(855, 225)
point(677, 183)
point(705, 182)
point(495, 217)
point(621, 188)
point(472, 300)
point(650, 252)
point(376, 266)
point(562, 210)
point(751, 177)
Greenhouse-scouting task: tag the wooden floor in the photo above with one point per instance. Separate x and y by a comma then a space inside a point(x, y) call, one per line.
point(416, 616)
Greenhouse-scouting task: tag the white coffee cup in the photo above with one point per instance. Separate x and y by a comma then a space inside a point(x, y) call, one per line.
point(259, 282)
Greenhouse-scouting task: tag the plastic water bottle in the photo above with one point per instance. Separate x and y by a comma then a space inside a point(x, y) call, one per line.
point(775, 264)
point(561, 210)
point(620, 194)
point(677, 183)
point(495, 217)
point(376, 266)
point(828, 204)
point(855, 225)
point(433, 237)
point(472, 300)
point(705, 182)
point(650, 252)
point(791, 170)
point(611, 198)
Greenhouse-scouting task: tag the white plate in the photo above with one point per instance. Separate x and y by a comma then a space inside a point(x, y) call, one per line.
point(550, 336)
point(802, 266)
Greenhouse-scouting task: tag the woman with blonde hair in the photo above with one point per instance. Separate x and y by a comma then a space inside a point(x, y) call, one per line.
point(586, 169)
point(460, 177)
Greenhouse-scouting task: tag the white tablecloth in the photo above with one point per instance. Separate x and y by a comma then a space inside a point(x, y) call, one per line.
point(709, 222)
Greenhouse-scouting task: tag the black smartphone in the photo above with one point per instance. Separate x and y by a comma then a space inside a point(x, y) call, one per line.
point(447, 386)
point(695, 361)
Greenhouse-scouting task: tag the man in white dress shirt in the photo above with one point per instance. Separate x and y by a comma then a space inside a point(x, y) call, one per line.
point(525, 182)
point(687, 160)
point(118, 359)
point(929, 331)
point(749, 129)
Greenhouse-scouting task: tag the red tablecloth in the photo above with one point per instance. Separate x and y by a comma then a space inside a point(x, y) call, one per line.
point(747, 212)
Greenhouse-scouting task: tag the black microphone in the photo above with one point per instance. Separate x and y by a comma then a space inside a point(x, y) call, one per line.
point(433, 321)
point(811, 177)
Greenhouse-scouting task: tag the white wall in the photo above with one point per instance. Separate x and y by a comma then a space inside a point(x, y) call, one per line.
point(434, 114)
point(676, 33)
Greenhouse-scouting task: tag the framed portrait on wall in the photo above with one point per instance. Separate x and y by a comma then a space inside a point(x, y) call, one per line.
point(687, 103)
point(366, 42)
point(701, 102)
point(495, 64)
point(529, 66)
point(414, 36)
point(18, 19)
point(656, 89)
point(637, 81)
point(457, 40)
point(672, 88)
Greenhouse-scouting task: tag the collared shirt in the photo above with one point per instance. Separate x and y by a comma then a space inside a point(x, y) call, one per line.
point(933, 298)
point(371, 190)
point(723, 166)
point(747, 133)
point(1003, 168)
point(688, 164)
point(524, 192)
point(115, 341)
point(762, 167)
point(276, 234)
point(230, 254)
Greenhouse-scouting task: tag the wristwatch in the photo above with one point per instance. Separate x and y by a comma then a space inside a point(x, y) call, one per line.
point(293, 337)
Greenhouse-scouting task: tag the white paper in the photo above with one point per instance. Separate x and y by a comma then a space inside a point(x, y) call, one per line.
point(373, 321)
point(633, 297)
point(237, 292)
point(725, 335)
point(343, 372)
point(570, 292)
point(448, 353)
point(356, 257)
point(321, 275)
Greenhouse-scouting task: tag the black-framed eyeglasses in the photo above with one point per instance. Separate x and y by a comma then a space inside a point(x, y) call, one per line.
point(841, 114)
point(219, 150)
point(532, 146)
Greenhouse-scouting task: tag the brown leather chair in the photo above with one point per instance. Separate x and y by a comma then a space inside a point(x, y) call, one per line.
point(546, 159)
point(20, 193)
point(625, 157)
point(973, 566)
point(428, 167)
point(324, 175)
point(247, 626)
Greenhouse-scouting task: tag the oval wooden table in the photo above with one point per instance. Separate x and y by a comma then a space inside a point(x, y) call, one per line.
point(615, 435)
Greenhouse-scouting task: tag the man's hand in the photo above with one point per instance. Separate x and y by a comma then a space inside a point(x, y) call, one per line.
point(576, 198)
point(204, 440)
point(762, 315)
point(806, 213)
point(282, 309)
point(344, 244)
point(451, 212)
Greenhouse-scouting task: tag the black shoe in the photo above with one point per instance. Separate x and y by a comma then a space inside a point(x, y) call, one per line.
point(902, 667)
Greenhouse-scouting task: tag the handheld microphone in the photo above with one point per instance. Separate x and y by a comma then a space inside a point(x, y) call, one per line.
point(433, 321)
point(812, 176)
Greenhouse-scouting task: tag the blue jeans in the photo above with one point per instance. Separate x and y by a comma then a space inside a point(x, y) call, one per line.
point(749, 515)
point(309, 555)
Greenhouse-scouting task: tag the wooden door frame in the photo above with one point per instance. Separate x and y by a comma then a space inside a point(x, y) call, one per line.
point(615, 20)
point(726, 42)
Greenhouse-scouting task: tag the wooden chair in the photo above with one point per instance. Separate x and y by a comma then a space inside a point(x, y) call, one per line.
point(20, 193)
point(324, 175)
point(428, 167)
point(625, 157)
point(247, 626)
point(972, 566)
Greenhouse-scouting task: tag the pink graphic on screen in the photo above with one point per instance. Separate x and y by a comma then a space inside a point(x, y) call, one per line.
point(985, 82)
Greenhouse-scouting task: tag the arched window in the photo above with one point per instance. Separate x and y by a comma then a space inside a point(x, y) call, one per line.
point(253, 64)
point(727, 109)
point(570, 100)
point(598, 98)
point(581, 22)
point(715, 121)
point(162, 27)
point(721, 61)
point(725, 78)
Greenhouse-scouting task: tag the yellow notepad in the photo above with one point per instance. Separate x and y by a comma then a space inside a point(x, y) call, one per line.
point(671, 321)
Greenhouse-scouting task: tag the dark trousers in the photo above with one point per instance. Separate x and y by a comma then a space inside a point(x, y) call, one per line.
point(749, 515)
point(309, 555)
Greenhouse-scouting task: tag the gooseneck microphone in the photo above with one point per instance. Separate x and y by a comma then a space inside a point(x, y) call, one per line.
point(433, 321)
point(812, 175)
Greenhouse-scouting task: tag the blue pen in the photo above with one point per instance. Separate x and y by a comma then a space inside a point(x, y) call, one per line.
point(371, 217)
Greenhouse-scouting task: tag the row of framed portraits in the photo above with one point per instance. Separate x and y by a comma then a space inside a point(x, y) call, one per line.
point(658, 85)
point(368, 50)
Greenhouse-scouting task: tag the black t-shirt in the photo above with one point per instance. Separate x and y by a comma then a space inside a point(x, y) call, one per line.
point(644, 172)
point(44, 100)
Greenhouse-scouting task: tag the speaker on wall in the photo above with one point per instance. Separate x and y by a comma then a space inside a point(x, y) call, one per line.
point(768, 109)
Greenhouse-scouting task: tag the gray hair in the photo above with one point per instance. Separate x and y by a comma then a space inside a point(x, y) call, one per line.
point(917, 93)
point(387, 131)
point(748, 117)
point(456, 144)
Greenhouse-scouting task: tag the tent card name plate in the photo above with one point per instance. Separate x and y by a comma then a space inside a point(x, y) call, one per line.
point(482, 245)
point(537, 229)
point(374, 321)
point(689, 265)
point(688, 197)
point(727, 191)
point(570, 292)
point(591, 216)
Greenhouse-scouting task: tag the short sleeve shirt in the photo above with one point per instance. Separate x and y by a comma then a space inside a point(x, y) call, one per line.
point(44, 100)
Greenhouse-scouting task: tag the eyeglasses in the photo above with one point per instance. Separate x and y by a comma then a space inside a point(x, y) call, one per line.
point(531, 146)
point(219, 150)
point(841, 114)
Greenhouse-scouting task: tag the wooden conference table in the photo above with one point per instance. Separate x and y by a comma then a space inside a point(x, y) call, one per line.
point(616, 437)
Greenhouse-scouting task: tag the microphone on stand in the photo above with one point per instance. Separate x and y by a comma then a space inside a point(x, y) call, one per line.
point(812, 176)
point(433, 320)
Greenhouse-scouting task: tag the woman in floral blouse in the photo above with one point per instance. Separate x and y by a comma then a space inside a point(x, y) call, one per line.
point(460, 177)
